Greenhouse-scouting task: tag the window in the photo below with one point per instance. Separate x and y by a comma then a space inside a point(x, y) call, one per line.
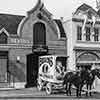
point(88, 33)
point(39, 34)
point(3, 38)
point(96, 35)
point(89, 15)
point(45, 68)
point(79, 33)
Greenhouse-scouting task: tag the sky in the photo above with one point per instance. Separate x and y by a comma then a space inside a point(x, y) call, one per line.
point(59, 8)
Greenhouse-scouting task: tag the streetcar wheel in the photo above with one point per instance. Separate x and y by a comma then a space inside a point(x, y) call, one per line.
point(48, 88)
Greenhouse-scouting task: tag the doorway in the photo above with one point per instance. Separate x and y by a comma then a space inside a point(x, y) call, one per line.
point(32, 68)
point(3, 66)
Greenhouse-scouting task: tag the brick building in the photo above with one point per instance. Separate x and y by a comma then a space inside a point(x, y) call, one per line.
point(25, 37)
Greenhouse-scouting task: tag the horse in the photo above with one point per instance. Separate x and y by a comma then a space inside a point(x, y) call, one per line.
point(73, 78)
point(79, 79)
point(90, 79)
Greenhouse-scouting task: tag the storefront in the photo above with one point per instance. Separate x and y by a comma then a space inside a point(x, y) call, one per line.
point(83, 39)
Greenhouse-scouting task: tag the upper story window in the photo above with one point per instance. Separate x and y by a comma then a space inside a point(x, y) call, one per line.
point(89, 15)
point(79, 33)
point(88, 33)
point(39, 34)
point(96, 35)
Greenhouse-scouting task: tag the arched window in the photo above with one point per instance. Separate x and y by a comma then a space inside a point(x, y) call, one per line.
point(88, 57)
point(39, 34)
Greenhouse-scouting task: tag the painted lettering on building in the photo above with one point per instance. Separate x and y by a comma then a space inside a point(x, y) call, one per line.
point(19, 41)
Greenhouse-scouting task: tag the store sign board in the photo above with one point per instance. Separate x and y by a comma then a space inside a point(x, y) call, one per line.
point(40, 48)
point(19, 41)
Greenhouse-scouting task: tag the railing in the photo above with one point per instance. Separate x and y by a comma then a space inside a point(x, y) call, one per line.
point(7, 80)
point(3, 78)
point(11, 79)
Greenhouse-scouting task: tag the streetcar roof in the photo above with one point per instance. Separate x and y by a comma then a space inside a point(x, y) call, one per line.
point(53, 56)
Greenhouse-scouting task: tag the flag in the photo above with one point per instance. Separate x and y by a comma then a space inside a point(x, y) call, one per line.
point(84, 24)
point(93, 24)
point(94, 20)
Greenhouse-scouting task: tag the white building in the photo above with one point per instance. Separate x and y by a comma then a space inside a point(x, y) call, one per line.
point(83, 38)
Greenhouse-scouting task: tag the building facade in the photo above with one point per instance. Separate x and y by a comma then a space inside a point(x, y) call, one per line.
point(20, 36)
point(83, 38)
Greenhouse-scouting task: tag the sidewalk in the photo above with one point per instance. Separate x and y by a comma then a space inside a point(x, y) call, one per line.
point(33, 93)
point(12, 92)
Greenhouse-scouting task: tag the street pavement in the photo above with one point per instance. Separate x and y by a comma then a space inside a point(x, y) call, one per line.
point(34, 94)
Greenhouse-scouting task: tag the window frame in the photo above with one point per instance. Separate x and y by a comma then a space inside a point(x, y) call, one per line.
point(79, 33)
point(87, 34)
point(96, 34)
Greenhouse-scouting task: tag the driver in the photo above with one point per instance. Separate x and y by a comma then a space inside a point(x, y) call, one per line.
point(59, 67)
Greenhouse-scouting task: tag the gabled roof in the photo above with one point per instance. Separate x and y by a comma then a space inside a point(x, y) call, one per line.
point(61, 28)
point(85, 8)
point(10, 22)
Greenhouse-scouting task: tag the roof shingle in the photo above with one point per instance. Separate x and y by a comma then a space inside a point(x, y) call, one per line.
point(10, 22)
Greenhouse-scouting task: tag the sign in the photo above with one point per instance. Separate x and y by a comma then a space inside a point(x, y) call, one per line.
point(19, 41)
point(40, 48)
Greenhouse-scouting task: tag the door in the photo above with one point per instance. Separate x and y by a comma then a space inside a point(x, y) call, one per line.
point(3, 67)
point(32, 70)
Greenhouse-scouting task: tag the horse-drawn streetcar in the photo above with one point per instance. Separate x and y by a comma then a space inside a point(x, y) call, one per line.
point(51, 72)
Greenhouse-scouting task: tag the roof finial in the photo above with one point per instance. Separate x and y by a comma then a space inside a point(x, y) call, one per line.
point(38, 5)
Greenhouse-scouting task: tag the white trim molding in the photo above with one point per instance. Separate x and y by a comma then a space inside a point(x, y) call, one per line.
point(5, 31)
point(18, 85)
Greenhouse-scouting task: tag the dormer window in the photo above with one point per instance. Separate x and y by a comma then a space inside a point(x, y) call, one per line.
point(89, 15)
point(3, 36)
